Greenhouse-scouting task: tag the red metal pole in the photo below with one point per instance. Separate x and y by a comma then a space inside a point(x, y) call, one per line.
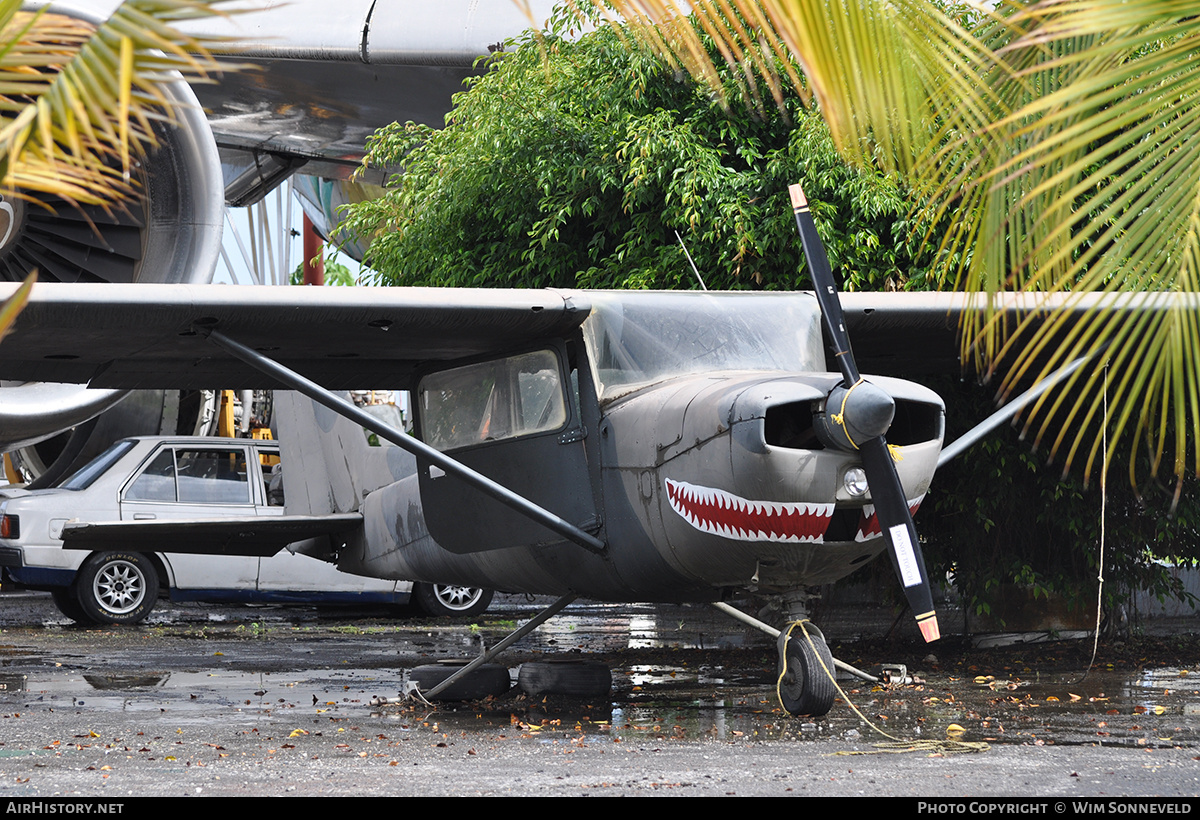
point(314, 255)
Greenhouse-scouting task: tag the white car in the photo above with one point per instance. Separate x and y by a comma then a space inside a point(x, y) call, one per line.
point(158, 477)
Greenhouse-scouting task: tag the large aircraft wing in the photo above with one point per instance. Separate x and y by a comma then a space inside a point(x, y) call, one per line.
point(145, 336)
point(320, 78)
point(135, 336)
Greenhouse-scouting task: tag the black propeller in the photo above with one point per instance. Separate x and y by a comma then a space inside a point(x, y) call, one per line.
point(864, 413)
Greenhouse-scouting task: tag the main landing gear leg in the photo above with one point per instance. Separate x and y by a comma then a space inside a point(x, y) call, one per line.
point(805, 687)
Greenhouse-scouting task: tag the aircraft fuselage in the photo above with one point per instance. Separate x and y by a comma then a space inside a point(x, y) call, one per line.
point(682, 440)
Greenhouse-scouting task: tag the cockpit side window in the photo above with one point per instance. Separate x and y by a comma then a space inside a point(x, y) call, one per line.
point(494, 400)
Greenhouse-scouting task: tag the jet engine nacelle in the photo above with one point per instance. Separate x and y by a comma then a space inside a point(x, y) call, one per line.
point(170, 234)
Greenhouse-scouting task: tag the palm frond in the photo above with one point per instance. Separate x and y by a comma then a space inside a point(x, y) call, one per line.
point(13, 305)
point(77, 101)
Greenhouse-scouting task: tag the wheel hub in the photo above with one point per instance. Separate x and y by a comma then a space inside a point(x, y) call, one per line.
point(120, 588)
point(456, 597)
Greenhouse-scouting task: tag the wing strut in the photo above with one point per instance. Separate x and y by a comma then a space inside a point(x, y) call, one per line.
point(963, 442)
point(418, 448)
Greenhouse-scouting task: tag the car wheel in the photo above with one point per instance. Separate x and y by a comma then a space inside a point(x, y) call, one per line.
point(68, 604)
point(117, 587)
point(448, 599)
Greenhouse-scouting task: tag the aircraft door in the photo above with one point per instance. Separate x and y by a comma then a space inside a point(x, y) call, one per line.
point(515, 420)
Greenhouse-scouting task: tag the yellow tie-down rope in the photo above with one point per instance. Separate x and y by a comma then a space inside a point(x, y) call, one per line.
point(894, 745)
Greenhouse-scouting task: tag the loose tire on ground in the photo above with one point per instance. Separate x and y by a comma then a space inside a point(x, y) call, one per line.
point(487, 680)
point(574, 678)
point(451, 599)
point(117, 587)
point(805, 687)
point(68, 604)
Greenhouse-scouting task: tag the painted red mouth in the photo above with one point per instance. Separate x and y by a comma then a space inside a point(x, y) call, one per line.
point(868, 521)
point(720, 513)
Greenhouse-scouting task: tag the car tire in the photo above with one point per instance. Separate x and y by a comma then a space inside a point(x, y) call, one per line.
point(486, 680)
point(450, 599)
point(573, 678)
point(68, 604)
point(117, 587)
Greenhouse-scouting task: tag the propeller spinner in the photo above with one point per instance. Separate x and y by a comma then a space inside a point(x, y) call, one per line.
point(862, 414)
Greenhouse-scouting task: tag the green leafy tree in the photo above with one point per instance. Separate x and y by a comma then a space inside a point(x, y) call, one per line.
point(336, 273)
point(574, 161)
point(1057, 135)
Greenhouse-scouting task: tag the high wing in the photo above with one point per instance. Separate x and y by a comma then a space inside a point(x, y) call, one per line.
point(135, 336)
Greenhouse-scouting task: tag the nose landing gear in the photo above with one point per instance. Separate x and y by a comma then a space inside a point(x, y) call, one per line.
point(806, 666)
point(806, 683)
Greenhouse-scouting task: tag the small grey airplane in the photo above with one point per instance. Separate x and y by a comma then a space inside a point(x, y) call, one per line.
point(660, 447)
point(620, 446)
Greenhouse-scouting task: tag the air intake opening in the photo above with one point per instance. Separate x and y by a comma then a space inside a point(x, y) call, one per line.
point(791, 426)
point(915, 422)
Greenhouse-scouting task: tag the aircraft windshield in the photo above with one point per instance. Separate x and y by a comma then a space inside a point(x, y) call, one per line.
point(640, 341)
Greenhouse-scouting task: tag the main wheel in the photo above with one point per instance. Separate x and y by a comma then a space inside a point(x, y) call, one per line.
point(117, 587)
point(481, 682)
point(448, 599)
point(68, 604)
point(805, 686)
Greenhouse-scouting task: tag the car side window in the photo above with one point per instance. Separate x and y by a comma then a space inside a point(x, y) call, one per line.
point(193, 477)
point(157, 481)
point(212, 476)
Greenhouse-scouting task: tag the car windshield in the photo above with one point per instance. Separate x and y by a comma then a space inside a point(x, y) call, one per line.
point(653, 337)
point(83, 478)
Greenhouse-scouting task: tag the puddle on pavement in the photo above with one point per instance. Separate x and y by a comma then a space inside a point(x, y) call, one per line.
point(677, 697)
point(656, 702)
point(1153, 709)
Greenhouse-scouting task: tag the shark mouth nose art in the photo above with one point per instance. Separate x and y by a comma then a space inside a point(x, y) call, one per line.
point(720, 513)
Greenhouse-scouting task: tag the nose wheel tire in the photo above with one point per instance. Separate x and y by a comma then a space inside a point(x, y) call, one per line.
point(117, 588)
point(805, 684)
point(450, 599)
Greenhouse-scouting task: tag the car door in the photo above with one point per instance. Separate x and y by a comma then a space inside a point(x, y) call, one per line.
point(201, 480)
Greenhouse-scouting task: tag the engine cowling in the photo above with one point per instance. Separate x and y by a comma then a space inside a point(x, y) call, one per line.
point(170, 234)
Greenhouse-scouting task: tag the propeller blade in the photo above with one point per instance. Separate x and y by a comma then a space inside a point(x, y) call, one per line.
point(825, 286)
point(891, 506)
point(896, 522)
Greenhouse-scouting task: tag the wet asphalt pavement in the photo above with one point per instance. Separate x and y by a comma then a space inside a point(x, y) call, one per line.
point(231, 701)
